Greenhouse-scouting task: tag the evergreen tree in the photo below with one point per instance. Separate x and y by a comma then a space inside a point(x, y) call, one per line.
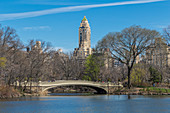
point(156, 76)
point(92, 68)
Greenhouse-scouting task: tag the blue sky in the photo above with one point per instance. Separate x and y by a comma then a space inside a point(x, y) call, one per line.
point(58, 21)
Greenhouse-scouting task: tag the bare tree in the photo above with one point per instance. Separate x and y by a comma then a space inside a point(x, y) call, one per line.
point(78, 69)
point(126, 45)
point(167, 34)
point(37, 57)
point(65, 66)
point(10, 47)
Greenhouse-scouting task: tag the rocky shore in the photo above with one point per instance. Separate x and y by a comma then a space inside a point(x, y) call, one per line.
point(9, 92)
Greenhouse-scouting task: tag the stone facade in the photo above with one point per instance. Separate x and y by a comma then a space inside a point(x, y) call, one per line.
point(37, 47)
point(106, 57)
point(84, 49)
point(159, 54)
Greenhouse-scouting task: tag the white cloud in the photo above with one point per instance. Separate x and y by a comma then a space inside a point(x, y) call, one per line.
point(12, 16)
point(65, 50)
point(161, 26)
point(37, 28)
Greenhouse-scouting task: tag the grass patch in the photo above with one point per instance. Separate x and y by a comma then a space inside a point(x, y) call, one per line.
point(155, 89)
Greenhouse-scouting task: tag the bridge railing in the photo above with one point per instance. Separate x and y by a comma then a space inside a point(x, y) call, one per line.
point(81, 81)
point(70, 81)
point(78, 81)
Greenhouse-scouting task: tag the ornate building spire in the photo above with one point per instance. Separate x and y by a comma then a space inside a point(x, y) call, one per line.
point(84, 34)
point(84, 19)
point(84, 39)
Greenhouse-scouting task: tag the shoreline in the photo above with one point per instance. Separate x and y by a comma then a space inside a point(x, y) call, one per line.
point(149, 94)
point(140, 93)
point(10, 93)
point(26, 96)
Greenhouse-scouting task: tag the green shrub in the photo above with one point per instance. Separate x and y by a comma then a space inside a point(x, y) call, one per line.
point(147, 89)
point(143, 89)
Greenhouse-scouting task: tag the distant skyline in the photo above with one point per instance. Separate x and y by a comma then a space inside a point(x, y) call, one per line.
point(58, 22)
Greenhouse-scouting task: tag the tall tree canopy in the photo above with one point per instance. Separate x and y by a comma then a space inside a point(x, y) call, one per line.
point(126, 45)
point(92, 68)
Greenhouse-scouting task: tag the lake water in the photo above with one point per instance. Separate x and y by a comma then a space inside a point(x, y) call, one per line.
point(87, 104)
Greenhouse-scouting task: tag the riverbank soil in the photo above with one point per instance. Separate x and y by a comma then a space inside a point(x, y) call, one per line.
point(9, 92)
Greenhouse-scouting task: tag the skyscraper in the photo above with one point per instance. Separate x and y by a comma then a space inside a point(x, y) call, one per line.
point(84, 40)
point(84, 49)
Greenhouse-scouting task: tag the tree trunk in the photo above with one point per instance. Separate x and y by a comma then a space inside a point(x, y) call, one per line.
point(129, 82)
point(9, 82)
point(30, 86)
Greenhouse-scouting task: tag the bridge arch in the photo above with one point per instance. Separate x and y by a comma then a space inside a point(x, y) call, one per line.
point(99, 89)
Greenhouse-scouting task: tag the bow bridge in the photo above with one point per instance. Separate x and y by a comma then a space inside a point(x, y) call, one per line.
point(100, 87)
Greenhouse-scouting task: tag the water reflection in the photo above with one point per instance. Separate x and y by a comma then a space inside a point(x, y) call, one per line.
point(98, 104)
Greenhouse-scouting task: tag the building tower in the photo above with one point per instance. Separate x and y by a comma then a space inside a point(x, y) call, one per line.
point(84, 39)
